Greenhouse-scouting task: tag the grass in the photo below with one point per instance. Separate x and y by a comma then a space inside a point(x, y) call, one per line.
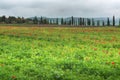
point(43, 53)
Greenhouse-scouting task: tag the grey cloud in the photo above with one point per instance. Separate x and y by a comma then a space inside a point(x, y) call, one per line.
point(60, 8)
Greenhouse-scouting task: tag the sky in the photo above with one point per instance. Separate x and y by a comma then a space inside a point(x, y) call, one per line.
point(60, 8)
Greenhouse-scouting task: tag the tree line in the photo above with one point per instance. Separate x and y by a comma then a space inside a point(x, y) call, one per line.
point(11, 20)
point(58, 21)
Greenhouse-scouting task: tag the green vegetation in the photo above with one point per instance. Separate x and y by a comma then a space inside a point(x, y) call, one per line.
point(57, 53)
point(69, 21)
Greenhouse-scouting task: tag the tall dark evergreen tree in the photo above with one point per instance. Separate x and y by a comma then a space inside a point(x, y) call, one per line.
point(113, 20)
point(80, 21)
point(57, 22)
point(88, 22)
point(72, 20)
point(119, 22)
point(83, 21)
point(108, 22)
point(62, 21)
point(98, 23)
point(41, 20)
point(103, 23)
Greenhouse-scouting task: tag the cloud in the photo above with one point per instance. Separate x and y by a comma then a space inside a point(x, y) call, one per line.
point(60, 8)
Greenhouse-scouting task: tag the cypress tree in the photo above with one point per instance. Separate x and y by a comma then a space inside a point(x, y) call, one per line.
point(61, 21)
point(83, 21)
point(57, 21)
point(72, 20)
point(108, 22)
point(103, 23)
point(113, 20)
point(98, 23)
point(88, 22)
point(41, 20)
point(119, 22)
point(80, 21)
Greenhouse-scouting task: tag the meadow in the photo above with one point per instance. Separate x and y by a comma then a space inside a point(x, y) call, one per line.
point(59, 53)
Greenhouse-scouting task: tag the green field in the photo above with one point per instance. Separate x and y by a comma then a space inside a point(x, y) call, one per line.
point(54, 53)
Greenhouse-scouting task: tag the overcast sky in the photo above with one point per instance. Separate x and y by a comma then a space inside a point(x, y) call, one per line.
point(60, 8)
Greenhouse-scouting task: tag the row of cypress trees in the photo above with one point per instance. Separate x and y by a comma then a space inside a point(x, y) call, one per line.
point(75, 21)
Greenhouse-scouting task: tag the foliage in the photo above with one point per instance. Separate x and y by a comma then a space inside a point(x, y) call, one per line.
point(59, 53)
point(73, 21)
point(113, 20)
